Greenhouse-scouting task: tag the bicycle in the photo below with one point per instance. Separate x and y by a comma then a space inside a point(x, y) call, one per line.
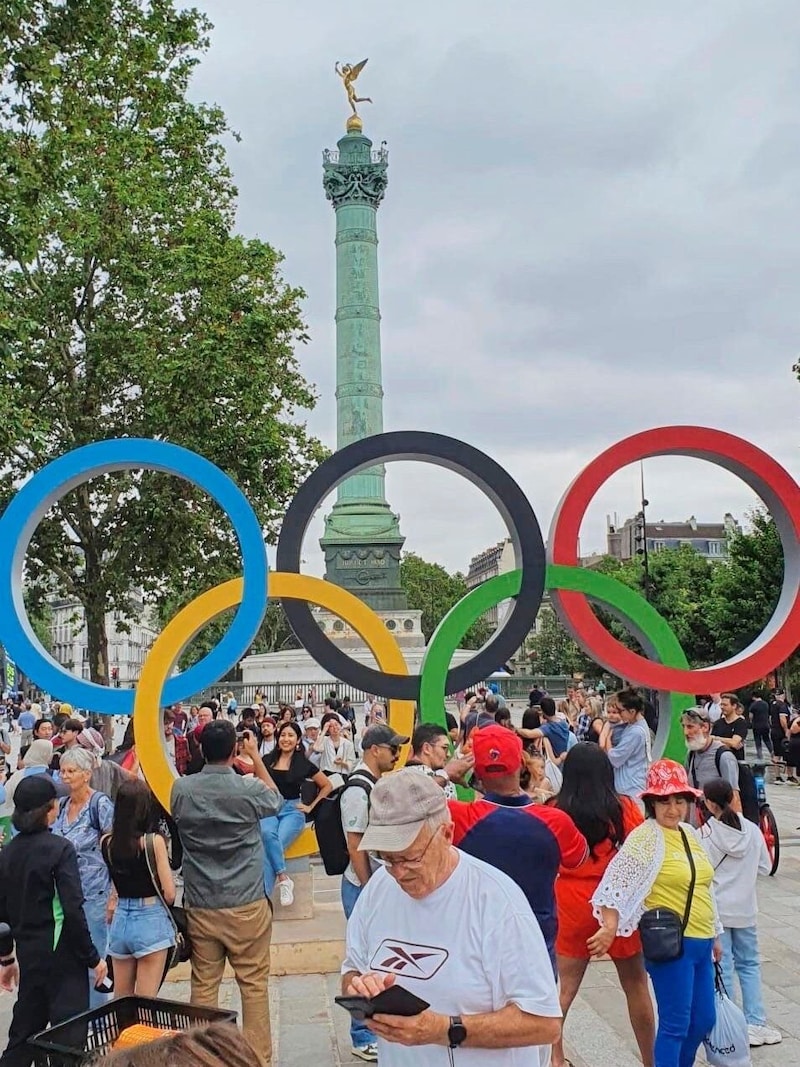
point(766, 817)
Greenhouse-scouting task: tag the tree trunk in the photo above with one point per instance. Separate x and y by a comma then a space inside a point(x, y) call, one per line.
point(95, 610)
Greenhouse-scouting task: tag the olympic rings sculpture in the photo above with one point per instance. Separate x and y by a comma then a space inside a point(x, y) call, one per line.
point(573, 589)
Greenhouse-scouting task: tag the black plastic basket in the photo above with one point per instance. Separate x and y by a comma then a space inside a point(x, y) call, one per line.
point(91, 1034)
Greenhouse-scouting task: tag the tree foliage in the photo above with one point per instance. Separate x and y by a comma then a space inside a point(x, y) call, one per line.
point(715, 608)
point(433, 591)
point(680, 588)
point(551, 651)
point(128, 307)
point(274, 635)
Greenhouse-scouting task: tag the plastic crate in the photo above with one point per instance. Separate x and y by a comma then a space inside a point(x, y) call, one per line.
point(92, 1033)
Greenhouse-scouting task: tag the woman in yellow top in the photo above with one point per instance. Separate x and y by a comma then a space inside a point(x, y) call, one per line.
point(653, 870)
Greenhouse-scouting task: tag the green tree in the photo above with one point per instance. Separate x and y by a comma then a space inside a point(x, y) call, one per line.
point(128, 307)
point(41, 616)
point(274, 635)
point(745, 591)
point(433, 591)
point(679, 588)
point(551, 650)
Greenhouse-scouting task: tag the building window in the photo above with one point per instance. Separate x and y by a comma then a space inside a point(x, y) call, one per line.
point(659, 546)
point(715, 548)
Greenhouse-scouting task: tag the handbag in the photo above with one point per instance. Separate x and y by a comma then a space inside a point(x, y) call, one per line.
point(661, 929)
point(182, 949)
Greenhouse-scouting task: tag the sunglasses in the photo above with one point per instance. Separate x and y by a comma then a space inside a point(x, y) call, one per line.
point(394, 749)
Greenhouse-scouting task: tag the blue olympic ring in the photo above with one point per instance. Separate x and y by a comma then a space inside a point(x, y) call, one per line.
point(32, 502)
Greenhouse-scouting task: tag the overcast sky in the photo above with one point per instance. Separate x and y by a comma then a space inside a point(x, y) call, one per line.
point(591, 228)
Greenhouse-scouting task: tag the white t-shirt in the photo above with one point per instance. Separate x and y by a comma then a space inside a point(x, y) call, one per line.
point(472, 946)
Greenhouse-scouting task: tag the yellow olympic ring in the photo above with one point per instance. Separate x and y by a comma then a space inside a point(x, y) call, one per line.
point(167, 649)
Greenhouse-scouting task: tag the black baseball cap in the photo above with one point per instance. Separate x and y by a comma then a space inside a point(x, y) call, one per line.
point(382, 735)
point(35, 791)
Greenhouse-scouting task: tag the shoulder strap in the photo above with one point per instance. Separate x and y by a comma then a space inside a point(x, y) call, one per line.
point(692, 771)
point(152, 865)
point(150, 860)
point(94, 811)
point(690, 897)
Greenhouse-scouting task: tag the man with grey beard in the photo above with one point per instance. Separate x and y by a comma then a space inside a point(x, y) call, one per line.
point(708, 758)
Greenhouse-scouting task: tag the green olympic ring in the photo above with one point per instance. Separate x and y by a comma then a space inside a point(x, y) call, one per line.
point(638, 616)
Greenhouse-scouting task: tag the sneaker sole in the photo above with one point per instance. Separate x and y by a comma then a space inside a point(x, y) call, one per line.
point(369, 1057)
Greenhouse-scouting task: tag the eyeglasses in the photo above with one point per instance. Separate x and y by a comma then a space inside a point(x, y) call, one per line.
point(412, 864)
point(394, 749)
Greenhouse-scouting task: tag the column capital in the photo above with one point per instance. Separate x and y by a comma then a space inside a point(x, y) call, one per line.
point(355, 173)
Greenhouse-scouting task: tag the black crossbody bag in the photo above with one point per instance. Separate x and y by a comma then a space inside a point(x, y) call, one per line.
point(661, 929)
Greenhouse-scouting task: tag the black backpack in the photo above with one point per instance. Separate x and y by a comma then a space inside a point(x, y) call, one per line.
point(747, 784)
point(328, 823)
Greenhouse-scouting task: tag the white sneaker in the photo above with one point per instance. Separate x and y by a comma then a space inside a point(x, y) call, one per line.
point(366, 1052)
point(763, 1035)
point(287, 892)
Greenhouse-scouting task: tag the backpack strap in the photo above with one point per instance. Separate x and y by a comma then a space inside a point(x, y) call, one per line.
point(693, 772)
point(94, 811)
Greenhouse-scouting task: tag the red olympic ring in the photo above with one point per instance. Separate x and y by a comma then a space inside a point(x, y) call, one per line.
point(781, 494)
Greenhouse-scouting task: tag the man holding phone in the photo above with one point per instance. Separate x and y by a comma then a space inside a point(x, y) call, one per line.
point(381, 747)
point(454, 932)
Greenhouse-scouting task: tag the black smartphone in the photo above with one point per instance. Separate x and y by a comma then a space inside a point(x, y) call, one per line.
point(392, 1001)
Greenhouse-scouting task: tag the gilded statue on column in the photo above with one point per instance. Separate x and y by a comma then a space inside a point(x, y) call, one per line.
point(349, 73)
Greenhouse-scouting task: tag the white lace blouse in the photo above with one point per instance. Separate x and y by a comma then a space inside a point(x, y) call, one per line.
point(631, 874)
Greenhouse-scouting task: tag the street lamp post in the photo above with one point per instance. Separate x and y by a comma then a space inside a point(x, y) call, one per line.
point(641, 537)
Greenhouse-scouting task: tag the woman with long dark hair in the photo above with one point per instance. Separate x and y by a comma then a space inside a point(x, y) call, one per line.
point(289, 768)
point(141, 930)
point(605, 819)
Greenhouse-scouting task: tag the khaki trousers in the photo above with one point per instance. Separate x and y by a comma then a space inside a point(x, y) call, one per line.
point(242, 936)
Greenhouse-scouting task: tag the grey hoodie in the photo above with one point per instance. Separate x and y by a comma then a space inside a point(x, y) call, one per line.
point(738, 857)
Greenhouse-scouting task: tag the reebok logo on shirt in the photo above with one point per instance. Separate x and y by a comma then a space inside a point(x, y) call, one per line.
point(402, 957)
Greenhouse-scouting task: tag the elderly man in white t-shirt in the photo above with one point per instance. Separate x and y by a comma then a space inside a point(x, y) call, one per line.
point(452, 930)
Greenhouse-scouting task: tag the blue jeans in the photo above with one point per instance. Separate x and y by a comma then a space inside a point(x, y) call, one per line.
point(684, 992)
point(278, 833)
point(740, 954)
point(95, 912)
point(360, 1035)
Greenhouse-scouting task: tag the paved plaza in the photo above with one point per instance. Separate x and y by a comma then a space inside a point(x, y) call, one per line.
point(309, 1028)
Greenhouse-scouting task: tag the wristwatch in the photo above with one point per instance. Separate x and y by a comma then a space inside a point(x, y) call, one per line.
point(457, 1033)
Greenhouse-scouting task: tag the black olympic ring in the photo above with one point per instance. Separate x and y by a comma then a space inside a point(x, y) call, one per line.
point(482, 472)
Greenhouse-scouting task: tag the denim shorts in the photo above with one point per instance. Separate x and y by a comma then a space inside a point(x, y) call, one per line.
point(138, 929)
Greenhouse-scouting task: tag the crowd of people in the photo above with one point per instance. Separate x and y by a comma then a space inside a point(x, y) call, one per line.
point(489, 909)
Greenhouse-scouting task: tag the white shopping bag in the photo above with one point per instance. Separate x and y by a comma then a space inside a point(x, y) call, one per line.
point(728, 1044)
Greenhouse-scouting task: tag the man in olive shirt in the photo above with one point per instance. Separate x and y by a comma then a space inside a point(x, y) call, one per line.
point(218, 814)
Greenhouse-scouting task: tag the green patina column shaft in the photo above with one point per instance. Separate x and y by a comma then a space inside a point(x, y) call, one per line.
point(362, 539)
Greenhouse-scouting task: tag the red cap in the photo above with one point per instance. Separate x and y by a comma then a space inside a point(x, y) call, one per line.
point(497, 751)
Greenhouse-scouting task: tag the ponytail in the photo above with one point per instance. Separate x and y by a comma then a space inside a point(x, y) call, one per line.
point(720, 792)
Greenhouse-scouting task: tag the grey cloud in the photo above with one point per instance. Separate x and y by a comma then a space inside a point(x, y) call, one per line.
point(590, 227)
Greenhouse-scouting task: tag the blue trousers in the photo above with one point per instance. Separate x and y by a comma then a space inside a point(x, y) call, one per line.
point(740, 953)
point(684, 992)
point(95, 912)
point(360, 1035)
point(278, 832)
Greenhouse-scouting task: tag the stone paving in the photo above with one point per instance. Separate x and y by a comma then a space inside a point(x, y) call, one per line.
point(308, 1028)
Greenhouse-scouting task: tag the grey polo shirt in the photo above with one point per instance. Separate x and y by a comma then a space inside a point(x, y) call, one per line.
point(217, 813)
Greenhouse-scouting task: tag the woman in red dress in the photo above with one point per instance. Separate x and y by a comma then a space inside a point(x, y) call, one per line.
point(605, 819)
